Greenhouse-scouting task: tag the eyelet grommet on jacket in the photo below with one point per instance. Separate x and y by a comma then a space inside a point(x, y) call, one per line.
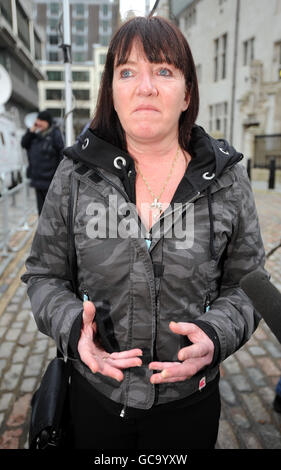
point(207, 176)
point(224, 151)
point(85, 143)
point(116, 164)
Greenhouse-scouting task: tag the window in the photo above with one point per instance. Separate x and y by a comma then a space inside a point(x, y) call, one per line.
point(53, 56)
point(80, 76)
point(216, 61)
point(54, 8)
point(248, 51)
point(53, 94)
point(105, 25)
point(55, 75)
point(23, 26)
point(79, 57)
point(79, 40)
point(80, 25)
point(104, 40)
point(53, 39)
point(82, 113)
point(56, 112)
point(102, 58)
point(17, 69)
point(53, 23)
point(6, 10)
point(223, 56)
point(105, 10)
point(37, 45)
point(80, 9)
point(81, 94)
point(218, 118)
point(220, 57)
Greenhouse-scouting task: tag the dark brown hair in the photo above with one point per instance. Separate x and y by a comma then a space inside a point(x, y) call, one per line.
point(162, 41)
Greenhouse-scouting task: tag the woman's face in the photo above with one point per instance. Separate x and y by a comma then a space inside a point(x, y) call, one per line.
point(148, 98)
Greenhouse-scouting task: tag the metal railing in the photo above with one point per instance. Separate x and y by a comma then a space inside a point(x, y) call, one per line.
point(15, 210)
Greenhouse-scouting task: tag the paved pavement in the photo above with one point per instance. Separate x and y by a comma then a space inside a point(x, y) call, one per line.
point(248, 378)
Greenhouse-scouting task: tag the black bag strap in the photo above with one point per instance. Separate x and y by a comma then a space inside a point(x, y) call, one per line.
point(72, 260)
point(71, 252)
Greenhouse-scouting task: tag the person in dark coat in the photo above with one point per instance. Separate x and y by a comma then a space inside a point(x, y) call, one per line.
point(44, 143)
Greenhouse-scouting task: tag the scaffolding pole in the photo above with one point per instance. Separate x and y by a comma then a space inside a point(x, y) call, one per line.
point(66, 47)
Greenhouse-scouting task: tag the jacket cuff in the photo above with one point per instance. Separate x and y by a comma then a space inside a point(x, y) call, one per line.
point(211, 332)
point(74, 337)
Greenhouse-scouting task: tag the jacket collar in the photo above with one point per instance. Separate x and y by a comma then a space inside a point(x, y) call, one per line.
point(95, 152)
point(210, 158)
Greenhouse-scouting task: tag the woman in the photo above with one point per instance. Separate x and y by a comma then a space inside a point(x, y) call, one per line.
point(165, 226)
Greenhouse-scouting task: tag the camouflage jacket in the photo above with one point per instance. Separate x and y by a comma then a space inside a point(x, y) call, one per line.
point(187, 268)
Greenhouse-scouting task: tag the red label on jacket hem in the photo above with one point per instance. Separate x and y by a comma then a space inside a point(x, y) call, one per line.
point(202, 383)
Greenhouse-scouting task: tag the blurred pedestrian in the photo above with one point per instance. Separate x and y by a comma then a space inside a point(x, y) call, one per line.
point(44, 143)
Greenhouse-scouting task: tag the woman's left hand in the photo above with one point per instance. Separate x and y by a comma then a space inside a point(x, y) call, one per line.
point(193, 358)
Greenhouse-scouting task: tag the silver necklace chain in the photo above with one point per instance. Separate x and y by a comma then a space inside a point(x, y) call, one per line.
point(156, 204)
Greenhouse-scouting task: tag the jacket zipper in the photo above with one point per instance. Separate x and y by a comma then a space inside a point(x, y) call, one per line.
point(86, 297)
point(207, 303)
point(85, 294)
point(148, 240)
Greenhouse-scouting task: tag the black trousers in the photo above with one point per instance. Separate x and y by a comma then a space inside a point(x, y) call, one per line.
point(40, 198)
point(93, 427)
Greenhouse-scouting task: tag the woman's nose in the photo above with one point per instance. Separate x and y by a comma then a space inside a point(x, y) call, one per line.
point(146, 86)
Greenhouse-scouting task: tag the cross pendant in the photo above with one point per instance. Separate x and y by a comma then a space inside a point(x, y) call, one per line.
point(157, 205)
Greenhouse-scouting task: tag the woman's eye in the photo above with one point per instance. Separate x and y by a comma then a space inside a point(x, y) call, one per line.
point(165, 72)
point(125, 73)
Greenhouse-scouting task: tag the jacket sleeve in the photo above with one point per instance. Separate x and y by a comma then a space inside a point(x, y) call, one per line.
point(232, 314)
point(26, 139)
point(54, 305)
point(58, 142)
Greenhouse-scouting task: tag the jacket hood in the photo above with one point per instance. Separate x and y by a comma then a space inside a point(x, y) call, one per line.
point(210, 157)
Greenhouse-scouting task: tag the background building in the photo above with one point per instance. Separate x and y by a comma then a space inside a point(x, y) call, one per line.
point(85, 86)
point(20, 51)
point(236, 46)
point(92, 24)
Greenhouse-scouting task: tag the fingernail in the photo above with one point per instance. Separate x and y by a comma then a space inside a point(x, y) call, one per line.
point(164, 374)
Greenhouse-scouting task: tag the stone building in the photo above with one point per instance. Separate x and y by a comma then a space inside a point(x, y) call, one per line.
point(20, 49)
point(236, 46)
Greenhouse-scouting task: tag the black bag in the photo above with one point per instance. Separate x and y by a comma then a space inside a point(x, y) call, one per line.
point(48, 422)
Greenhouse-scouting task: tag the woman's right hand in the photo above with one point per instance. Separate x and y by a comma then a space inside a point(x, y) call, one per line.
point(96, 358)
